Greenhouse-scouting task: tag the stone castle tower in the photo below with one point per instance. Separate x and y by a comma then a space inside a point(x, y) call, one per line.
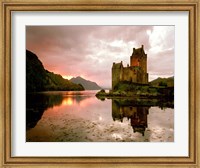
point(135, 73)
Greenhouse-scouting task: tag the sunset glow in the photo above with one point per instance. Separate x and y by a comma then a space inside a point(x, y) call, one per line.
point(67, 101)
point(67, 77)
point(89, 51)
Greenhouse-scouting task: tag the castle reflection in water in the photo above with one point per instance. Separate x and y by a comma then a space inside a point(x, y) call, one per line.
point(136, 114)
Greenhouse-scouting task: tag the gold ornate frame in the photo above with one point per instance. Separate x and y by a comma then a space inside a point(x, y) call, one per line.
point(7, 6)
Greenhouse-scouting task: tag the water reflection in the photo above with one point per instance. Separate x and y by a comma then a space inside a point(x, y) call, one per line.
point(67, 102)
point(136, 115)
point(36, 104)
point(80, 117)
point(136, 111)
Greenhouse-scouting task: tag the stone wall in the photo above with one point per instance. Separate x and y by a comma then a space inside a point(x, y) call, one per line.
point(117, 74)
point(129, 74)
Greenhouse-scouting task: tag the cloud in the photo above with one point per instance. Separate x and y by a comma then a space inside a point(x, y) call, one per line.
point(89, 51)
point(161, 59)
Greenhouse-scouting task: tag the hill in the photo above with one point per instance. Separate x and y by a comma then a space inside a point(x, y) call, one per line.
point(88, 85)
point(169, 82)
point(39, 79)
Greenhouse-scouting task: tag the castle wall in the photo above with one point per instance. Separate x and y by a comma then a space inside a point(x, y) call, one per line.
point(144, 63)
point(129, 74)
point(117, 76)
point(140, 77)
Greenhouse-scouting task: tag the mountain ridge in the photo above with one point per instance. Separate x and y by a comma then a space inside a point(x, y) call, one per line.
point(87, 84)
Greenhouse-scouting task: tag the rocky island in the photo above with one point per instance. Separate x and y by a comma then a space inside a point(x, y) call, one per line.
point(132, 81)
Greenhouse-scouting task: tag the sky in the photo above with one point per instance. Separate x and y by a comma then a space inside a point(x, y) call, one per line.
point(89, 51)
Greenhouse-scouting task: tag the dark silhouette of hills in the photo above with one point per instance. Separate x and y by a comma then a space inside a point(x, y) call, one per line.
point(39, 79)
point(169, 82)
point(88, 85)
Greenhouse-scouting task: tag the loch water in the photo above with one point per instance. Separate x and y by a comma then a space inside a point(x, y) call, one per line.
point(78, 116)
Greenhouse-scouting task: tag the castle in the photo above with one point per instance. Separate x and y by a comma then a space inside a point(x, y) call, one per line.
point(135, 73)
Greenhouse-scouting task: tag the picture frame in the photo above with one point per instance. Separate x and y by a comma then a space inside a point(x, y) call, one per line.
point(47, 5)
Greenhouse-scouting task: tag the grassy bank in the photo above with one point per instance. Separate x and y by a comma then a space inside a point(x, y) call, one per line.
point(127, 89)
